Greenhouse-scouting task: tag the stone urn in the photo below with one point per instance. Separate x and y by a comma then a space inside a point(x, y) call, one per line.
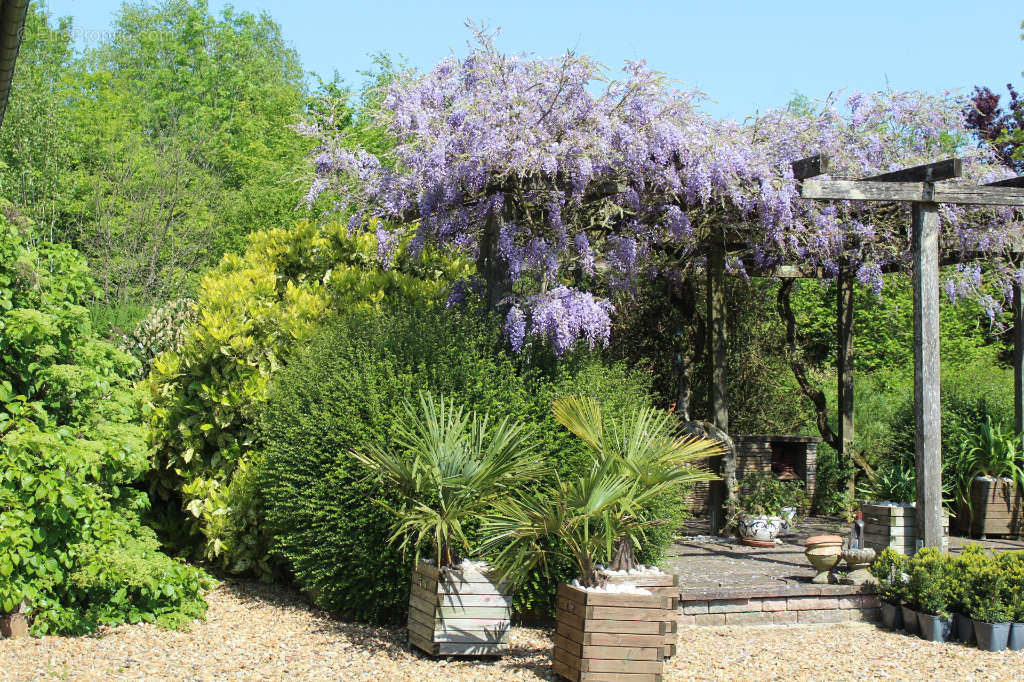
point(759, 531)
point(824, 552)
point(857, 561)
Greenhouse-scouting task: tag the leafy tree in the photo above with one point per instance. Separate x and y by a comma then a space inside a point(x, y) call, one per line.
point(72, 547)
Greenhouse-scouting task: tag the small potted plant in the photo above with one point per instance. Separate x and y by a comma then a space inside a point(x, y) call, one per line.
point(986, 604)
point(959, 590)
point(888, 570)
point(928, 590)
point(447, 468)
point(1013, 568)
point(764, 508)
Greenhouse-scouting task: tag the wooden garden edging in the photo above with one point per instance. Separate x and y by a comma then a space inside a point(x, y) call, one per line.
point(662, 585)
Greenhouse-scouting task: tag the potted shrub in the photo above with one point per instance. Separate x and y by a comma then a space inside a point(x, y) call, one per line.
point(959, 590)
point(446, 468)
point(1013, 568)
point(889, 569)
point(605, 629)
point(764, 507)
point(646, 448)
point(928, 590)
point(988, 475)
point(986, 604)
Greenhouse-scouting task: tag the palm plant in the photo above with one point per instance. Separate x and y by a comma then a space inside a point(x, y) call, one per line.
point(575, 519)
point(602, 512)
point(447, 467)
point(644, 447)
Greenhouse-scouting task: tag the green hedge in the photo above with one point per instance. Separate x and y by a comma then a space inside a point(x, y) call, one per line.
point(345, 389)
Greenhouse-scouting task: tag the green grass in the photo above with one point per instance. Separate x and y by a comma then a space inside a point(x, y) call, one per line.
point(110, 319)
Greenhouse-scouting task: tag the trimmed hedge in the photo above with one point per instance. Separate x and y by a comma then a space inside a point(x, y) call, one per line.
point(345, 388)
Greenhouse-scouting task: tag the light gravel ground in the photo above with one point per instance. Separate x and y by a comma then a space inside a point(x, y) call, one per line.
point(256, 632)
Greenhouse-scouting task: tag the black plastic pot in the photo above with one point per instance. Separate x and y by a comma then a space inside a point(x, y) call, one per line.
point(964, 628)
point(935, 628)
point(892, 616)
point(992, 636)
point(1016, 642)
point(910, 624)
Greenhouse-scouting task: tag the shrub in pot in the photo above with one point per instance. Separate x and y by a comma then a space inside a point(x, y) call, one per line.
point(959, 590)
point(928, 592)
point(604, 629)
point(986, 604)
point(447, 467)
point(889, 570)
point(988, 473)
point(1012, 564)
point(764, 507)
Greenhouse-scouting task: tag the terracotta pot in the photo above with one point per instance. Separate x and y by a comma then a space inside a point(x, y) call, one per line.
point(824, 551)
point(760, 528)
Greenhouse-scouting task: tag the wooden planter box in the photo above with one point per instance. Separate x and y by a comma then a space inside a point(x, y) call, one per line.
point(602, 637)
point(996, 509)
point(894, 527)
point(457, 612)
point(664, 585)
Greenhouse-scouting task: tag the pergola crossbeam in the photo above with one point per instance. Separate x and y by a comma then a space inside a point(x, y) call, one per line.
point(874, 190)
point(1009, 182)
point(929, 172)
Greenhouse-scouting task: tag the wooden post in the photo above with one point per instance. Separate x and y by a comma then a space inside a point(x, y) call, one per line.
point(1018, 359)
point(927, 412)
point(719, 384)
point(844, 364)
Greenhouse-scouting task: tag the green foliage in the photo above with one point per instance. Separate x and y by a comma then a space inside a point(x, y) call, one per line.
point(928, 590)
point(986, 598)
point(160, 331)
point(1012, 565)
point(72, 547)
point(345, 391)
point(764, 495)
point(448, 467)
point(253, 311)
point(634, 460)
point(890, 569)
point(985, 450)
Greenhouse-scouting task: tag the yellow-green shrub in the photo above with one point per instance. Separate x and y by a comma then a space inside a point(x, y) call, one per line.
point(253, 311)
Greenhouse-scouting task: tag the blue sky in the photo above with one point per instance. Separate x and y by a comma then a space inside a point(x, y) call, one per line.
point(745, 55)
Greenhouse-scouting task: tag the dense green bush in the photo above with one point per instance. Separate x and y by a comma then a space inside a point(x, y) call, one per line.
point(72, 547)
point(345, 390)
point(252, 312)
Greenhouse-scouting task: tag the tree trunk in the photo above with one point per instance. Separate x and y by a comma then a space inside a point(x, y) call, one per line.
point(625, 556)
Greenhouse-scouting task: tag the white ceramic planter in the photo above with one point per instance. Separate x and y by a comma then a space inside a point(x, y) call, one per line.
point(760, 528)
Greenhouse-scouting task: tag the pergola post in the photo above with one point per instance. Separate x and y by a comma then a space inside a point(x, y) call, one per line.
point(927, 412)
point(1018, 359)
point(844, 362)
point(719, 385)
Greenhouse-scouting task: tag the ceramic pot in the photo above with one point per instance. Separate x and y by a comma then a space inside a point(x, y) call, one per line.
point(910, 624)
point(964, 628)
point(760, 528)
point(992, 636)
point(1016, 642)
point(934, 628)
point(824, 552)
point(892, 616)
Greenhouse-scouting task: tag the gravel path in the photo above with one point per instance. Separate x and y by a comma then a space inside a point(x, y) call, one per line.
point(255, 631)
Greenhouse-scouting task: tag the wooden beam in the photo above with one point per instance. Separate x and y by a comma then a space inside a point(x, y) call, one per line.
point(866, 190)
point(927, 412)
point(811, 166)
point(929, 172)
point(719, 380)
point(1018, 359)
point(844, 362)
point(1009, 182)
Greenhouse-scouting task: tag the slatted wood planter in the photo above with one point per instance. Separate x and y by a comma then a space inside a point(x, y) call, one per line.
point(895, 527)
point(457, 612)
point(602, 637)
point(997, 509)
point(664, 585)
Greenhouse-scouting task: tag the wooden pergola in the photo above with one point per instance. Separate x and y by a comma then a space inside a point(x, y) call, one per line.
point(919, 186)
